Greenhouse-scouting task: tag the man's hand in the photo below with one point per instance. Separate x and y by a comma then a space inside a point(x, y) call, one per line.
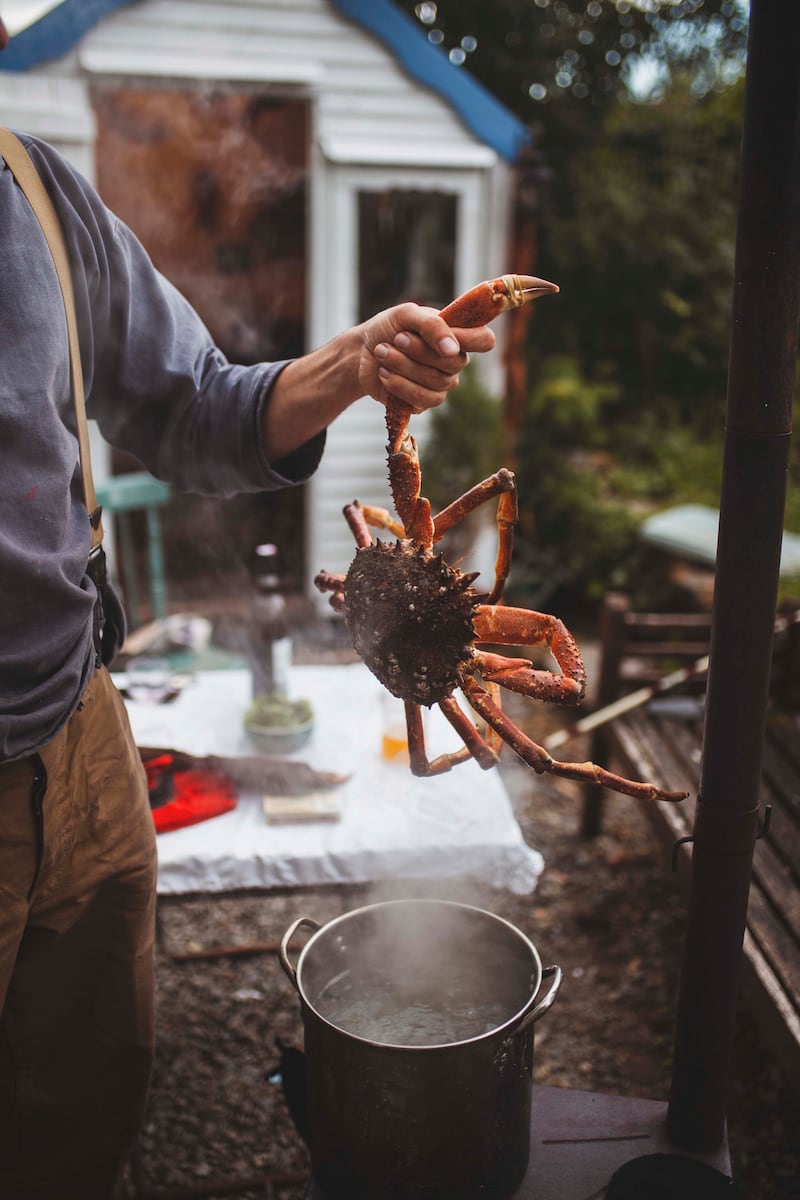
point(411, 353)
point(407, 351)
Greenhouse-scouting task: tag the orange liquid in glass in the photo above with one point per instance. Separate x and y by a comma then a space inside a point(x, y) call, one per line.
point(395, 746)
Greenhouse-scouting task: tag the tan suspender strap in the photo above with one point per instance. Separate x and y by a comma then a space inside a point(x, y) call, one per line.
point(33, 189)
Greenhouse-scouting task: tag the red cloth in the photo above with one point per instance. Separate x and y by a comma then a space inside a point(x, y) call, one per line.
point(180, 797)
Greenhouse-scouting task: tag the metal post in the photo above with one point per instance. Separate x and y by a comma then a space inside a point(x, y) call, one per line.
point(763, 357)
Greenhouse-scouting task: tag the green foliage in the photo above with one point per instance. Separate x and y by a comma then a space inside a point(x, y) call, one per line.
point(569, 60)
point(642, 244)
point(635, 200)
point(793, 500)
point(567, 513)
point(574, 407)
point(587, 476)
point(643, 249)
point(633, 194)
point(587, 532)
point(657, 465)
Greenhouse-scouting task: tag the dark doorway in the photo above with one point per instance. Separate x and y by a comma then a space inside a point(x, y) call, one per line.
point(406, 248)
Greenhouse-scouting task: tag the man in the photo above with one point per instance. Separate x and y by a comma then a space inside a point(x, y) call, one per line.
point(77, 849)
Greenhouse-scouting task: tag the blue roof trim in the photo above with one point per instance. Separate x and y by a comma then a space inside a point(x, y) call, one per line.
point(488, 119)
point(59, 30)
point(56, 32)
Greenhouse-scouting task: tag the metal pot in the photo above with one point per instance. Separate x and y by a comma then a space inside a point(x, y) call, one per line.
point(419, 1019)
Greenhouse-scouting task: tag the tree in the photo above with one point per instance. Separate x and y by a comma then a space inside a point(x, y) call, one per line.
point(636, 106)
point(627, 403)
point(644, 252)
point(637, 114)
point(584, 54)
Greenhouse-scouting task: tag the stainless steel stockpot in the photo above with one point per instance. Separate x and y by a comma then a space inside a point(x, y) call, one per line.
point(438, 1121)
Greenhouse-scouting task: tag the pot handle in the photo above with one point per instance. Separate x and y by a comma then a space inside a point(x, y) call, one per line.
point(283, 949)
point(539, 1009)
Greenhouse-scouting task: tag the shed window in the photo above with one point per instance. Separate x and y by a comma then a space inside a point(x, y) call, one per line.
point(406, 248)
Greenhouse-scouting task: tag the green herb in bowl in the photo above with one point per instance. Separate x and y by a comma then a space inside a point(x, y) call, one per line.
point(277, 724)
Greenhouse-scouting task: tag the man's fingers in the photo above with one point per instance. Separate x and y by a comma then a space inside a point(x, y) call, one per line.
point(458, 341)
point(439, 336)
point(444, 355)
point(421, 366)
point(411, 353)
point(418, 397)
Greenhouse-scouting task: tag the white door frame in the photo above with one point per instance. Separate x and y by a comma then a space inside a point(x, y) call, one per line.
point(334, 289)
point(354, 462)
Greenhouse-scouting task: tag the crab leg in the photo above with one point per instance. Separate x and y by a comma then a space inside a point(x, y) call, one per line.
point(359, 517)
point(517, 675)
point(355, 516)
point(326, 581)
point(523, 627)
point(503, 482)
point(476, 307)
point(404, 475)
point(381, 518)
point(475, 745)
point(540, 760)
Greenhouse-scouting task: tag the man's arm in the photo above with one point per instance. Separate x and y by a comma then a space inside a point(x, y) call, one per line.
point(407, 351)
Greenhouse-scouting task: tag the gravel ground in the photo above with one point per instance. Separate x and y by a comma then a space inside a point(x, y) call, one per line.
point(608, 912)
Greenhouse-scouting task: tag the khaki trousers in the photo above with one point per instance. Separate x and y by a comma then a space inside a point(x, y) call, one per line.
point(77, 916)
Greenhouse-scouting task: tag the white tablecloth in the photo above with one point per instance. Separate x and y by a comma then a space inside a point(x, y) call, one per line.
point(393, 825)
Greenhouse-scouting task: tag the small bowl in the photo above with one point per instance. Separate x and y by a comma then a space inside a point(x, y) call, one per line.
point(279, 739)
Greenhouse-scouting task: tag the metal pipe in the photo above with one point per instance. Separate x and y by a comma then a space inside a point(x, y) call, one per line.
point(762, 366)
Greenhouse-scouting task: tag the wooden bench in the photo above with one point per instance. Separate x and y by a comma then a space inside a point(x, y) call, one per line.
point(661, 741)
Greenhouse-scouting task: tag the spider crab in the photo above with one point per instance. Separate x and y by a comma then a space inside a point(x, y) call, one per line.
point(418, 623)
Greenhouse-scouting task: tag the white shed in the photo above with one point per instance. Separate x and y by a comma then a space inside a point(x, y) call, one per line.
point(390, 127)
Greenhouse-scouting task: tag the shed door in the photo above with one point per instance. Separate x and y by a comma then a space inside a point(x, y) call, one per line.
point(213, 181)
point(389, 234)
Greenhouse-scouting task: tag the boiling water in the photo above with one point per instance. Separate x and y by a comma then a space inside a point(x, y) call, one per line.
point(415, 1012)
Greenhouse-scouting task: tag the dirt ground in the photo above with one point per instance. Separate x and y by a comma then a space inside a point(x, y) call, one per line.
point(608, 912)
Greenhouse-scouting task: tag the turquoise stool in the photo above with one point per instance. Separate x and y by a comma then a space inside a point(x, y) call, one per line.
point(122, 495)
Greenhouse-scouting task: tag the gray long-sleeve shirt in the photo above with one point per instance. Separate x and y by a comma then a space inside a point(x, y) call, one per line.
point(158, 388)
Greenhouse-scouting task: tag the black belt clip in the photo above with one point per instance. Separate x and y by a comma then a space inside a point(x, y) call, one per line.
point(97, 572)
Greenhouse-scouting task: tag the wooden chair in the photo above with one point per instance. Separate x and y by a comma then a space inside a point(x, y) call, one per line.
point(650, 742)
point(637, 650)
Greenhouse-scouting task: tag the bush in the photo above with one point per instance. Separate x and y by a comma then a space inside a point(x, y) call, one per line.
point(588, 475)
point(584, 539)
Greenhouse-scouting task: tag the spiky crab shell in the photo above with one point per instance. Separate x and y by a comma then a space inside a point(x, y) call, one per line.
point(410, 617)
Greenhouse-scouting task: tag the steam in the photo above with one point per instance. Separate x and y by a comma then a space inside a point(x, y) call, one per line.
point(419, 973)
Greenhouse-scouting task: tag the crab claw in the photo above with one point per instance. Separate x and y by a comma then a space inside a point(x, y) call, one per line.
point(515, 290)
point(482, 303)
